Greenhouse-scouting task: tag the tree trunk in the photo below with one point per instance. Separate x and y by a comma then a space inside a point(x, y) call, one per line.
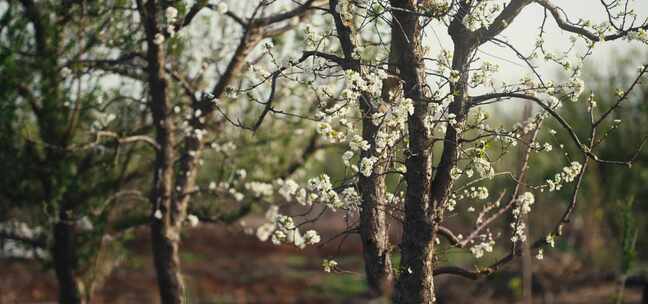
point(66, 262)
point(165, 232)
point(373, 222)
point(165, 241)
point(373, 216)
point(415, 283)
point(526, 263)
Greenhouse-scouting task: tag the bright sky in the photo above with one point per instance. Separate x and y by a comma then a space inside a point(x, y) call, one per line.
point(524, 31)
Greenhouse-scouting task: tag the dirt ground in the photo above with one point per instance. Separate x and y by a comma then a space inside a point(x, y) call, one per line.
point(224, 265)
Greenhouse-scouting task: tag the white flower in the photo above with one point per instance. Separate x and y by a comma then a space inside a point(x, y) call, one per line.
point(486, 245)
point(450, 205)
point(454, 76)
point(358, 143)
point(455, 173)
point(346, 157)
point(212, 186)
point(85, 224)
point(483, 167)
point(287, 188)
point(272, 213)
point(65, 72)
point(193, 220)
point(551, 240)
point(171, 13)
point(159, 39)
point(477, 192)
point(278, 237)
point(260, 189)
point(351, 198)
point(367, 164)
point(222, 8)
point(552, 102)
point(547, 147)
point(158, 214)
point(238, 196)
point(577, 87)
point(241, 173)
point(311, 237)
point(525, 201)
point(329, 265)
point(265, 231)
point(452, 119)
point(540, 255)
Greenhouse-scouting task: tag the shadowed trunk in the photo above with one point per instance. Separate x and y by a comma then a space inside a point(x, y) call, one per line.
point(165, 233)
point(165, 241)
point(65, 262)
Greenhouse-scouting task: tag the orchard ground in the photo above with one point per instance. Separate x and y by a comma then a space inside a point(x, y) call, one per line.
point(225, 265)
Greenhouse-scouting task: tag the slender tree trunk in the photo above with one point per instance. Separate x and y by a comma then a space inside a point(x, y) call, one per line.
point(373, 221)
point(66, 262)
point(165, 231)
point(165, 241)
point(374, 231)
point(526, 262)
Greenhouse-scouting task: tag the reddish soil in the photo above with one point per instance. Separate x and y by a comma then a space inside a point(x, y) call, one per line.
point(222, 265)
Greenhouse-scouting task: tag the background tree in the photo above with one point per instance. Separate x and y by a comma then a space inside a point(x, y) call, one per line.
point(182, 140)
point(63, 146)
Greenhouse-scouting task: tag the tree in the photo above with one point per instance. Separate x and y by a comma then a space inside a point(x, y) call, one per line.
point(62, 142)
point(181, 146)
point(433, 121)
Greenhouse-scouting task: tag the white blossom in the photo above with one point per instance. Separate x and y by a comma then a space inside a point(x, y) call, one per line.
point(159, 39)
point(311, 237)
point(329, 265)
point(367, 164)
point(222, 7)
point(193, 220)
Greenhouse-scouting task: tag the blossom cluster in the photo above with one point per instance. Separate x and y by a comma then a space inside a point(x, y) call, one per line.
point(522, 208)
point(281, 229)
point(567, 175)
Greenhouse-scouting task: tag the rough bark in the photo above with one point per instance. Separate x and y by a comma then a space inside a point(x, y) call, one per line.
point(374, 230)
point(415, 283)
point(373, 219)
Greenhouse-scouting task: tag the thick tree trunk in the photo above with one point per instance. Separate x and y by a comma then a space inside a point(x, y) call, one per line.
point(66, 262)
point(415, 283)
